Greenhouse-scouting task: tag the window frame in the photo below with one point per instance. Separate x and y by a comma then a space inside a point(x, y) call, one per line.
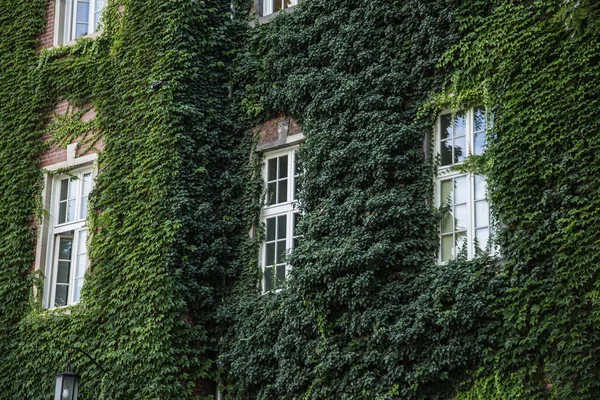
point(289, 208)
point(65, 24)
point(445, 173)
point(268, 9)
point(69, 229)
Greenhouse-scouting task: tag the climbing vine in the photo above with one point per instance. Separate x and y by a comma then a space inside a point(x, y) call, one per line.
point(165, 222)
point(172, 306)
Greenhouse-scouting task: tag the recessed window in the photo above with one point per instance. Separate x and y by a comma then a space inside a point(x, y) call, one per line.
point(280, 216)
point(273, 6)
point(467, 225)
point(77, 18)
point(68, 258)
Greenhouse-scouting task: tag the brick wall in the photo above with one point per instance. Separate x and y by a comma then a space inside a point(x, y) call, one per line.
point(276, 131)
point(58, 154)
point(47, 39)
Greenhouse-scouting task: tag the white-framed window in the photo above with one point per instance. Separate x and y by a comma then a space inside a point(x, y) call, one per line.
point(468, 222)
point(77, 18)
point(280, 215)
point(67, 258)
point(273, 6)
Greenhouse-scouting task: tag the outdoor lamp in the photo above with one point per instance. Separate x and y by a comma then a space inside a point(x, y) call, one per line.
point(67, 385)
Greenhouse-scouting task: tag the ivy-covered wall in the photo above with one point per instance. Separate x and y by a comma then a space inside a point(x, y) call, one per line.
point(165, 223)
point(172, 306)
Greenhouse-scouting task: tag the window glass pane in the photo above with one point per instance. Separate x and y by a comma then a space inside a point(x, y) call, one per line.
point(271, 193)
point(446, 192)
point(297, 166)
point(297, 171)
point(272, 169)
point(461, 242)
point(460, 218)
point(97, 20)
point(280, 275)
point(282, 227)
point(446, 152)
point(83, 11)
point(276, 5)
point(482, 236)
point(271, 229)
point(83, 208)
point(447, 245)
point(270, 254)
point(98, 6)
point(281, 251)
point(446, 127)
point(283, 167)
point(81, 30)
point(64, 189)
point(71, 210)
point(282, 191)
point(460, 149)
point(297, 217)
point(447, 223)
point(81, 265)
point(64, 249)
point(73, 188)
point(461, 192)
point(479, 145)
point(86, 183)
point(460, 124)
point(77, 290)
point(480, 188)
point(482, 214)
point(60, 297)
point(296, 187)
point(288, 3)
point(62, 213)
point(62, 272)
point(479, 119)
point(268, 279)
point(81, 254)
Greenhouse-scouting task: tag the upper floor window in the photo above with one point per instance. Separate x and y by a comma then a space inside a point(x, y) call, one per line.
point(280, 216)
point(68, 259)
point(273, 6)
point(77, 18)
point(467, 224)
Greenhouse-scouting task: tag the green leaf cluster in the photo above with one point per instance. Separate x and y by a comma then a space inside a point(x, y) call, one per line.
point(165, 223)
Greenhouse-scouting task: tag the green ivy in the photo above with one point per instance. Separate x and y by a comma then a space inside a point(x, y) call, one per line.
point(367, 312)
point(172, 303)
point(542, 77)
point(165, 225)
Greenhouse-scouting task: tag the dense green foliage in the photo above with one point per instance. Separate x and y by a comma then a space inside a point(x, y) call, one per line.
point(543, 80)
point(172, 303)
point(165, 221)
point(367, 314)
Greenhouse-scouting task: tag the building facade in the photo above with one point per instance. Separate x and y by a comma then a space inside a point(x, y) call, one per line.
point(291, 199)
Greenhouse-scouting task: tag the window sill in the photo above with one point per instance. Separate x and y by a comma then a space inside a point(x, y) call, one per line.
point(73, 42)
point(266, 18)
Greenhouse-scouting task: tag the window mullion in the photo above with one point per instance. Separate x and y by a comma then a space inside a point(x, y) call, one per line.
point(91, 16)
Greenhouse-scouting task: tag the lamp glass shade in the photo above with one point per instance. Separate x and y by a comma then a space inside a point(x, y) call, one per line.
point(67, 386)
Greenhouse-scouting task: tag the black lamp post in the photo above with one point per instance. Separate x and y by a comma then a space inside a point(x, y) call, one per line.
point(67, 383)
